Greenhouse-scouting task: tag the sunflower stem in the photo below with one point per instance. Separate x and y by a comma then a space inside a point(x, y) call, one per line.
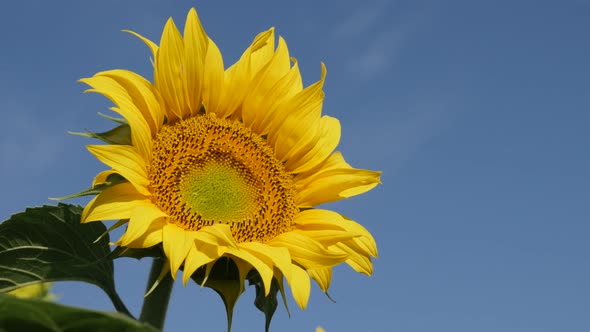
point(155, 303)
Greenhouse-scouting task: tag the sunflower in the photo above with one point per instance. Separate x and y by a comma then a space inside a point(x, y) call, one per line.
point(229, 164)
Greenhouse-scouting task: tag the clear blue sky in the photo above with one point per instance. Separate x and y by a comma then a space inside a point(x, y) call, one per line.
point(477, 112)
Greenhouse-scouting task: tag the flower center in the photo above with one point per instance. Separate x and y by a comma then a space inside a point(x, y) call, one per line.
point(206, 170)
point(219, 191)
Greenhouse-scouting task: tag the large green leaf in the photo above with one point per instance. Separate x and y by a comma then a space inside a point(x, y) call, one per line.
point(18, 315)
point(50, 244)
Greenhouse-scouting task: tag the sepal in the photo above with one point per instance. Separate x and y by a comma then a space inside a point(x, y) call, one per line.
point(120, 135)
point(111, 180)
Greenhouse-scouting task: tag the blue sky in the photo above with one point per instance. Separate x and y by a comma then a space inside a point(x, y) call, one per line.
point(477, 112)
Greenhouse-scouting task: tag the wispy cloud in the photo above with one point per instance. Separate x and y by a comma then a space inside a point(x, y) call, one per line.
point(379, 31)
point(362, 21)
point(400, 135)
point(421, 123)
point(380, 54)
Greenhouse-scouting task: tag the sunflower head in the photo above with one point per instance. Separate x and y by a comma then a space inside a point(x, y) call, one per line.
point(229, 163)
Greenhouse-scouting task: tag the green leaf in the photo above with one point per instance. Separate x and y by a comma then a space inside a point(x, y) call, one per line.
point(34, 315)
point(120, 135)
point(50, 244)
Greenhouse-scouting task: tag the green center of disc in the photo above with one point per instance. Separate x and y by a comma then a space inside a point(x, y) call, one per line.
point(220, 192)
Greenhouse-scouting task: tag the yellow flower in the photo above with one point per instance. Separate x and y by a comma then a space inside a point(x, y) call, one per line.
point(229, 163)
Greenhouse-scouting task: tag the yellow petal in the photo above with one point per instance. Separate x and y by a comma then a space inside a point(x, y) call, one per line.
point(125, 160)
point(116, 202)
point(300, 286)
point(327, 237)
point(262, 50)
point(366, 241)
point(332, 181)
point(102, 177)
point(322, 276)
point(236, 82)
point(303, 160)
point(216, 235)
point(238, 77)
point(299, 129)
point(176, 242)
point(279, 256)
point(213, 78)
point(285, 88)
point(263, 266)
point(208, 269)
point(141, 136)
point(325, 220)
point(273, 64)
point(195, 50)
point(153, 47)
point(318, 219)
point(306, 251)
point(334, 161)
point(163, 272)
point(280, 279)
point(143, 95)
point(197, 257)
point(152, 235)
point(359, 262)
point(255, 103)
point(169, 76)
point(142, 217)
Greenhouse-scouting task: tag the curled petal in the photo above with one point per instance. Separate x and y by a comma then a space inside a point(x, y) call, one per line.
point(141, 135)
point(263, 266)
point(332, 181)
point(116, 202)
point(299, 127)
point(197, 257)
point(151, 236)
point(280, 256)
point(142, 217)
point(322, 276)
point(359, 262)
point(152, 46)
point(124, 160)
point(143, 95)
point(216, 235)
point(305, 159)
point(306, 251)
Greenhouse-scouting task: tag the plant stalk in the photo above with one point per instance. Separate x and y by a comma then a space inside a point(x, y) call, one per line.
point(155, 304)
